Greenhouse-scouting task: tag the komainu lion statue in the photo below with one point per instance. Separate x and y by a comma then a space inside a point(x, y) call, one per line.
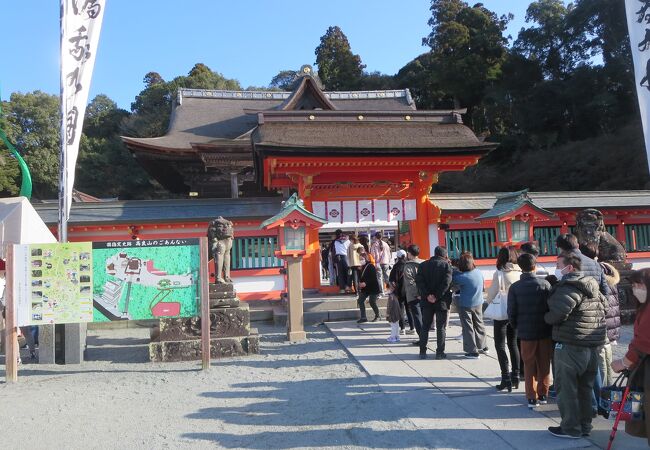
point(590, 229)
point(220, 237)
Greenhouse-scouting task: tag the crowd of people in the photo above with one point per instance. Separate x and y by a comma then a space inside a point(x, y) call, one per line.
point(557, 332)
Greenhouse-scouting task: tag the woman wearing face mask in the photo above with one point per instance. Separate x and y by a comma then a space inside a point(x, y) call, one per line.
point(638, 349)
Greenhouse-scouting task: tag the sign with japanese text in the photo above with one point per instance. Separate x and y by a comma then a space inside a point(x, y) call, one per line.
point(146, 279)
point(53, 283)
point(638, 24)
point(81, 22)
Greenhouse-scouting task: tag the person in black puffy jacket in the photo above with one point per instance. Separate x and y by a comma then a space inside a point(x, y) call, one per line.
point(590, 268)
point(527, 304)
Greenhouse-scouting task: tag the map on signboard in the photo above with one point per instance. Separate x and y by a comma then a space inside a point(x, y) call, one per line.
point(54, 283)
point(146, 279)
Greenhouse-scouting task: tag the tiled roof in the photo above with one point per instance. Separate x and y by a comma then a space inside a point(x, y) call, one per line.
point(200, 115)
point(548, 200)
point(365, 133)
point(510, 202)
point(144, 211)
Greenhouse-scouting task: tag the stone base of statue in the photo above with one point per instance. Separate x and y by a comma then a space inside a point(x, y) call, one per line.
point(230, 331)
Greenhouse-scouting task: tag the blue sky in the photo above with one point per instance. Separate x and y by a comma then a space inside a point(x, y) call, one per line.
point(249, 40)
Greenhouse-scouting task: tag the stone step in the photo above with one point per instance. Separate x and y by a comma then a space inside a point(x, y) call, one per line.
point(221, 288)
point(261, 314)
point(314, 317)
point(336, 303)
point(226, 322)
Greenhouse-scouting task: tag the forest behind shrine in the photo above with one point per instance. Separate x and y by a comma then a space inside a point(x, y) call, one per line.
point(559, 97)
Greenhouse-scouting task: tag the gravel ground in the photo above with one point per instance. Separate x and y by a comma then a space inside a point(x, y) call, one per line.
point(291, 396)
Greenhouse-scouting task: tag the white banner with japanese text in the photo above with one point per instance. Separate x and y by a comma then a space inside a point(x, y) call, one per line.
point(638, 24)
point(81, 22)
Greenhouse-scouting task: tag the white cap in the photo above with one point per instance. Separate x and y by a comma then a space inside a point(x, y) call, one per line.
point(400, 254)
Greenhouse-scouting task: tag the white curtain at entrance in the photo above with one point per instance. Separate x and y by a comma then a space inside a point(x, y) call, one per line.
point(333, 212)
point(380, 209)
point(366, 211)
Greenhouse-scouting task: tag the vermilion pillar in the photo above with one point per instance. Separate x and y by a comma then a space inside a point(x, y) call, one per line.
point(311, 261)
point(424, 210)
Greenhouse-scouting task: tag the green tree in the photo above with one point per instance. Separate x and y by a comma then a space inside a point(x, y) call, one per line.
point(338, 68)
point(105, 167)
point(376, 81)
point(283, 80)
point(605, 25)
point(558, 46)
point(9, 174)
point(423, 80)
point(152, 106)
point(468, 49)
point(32, 124)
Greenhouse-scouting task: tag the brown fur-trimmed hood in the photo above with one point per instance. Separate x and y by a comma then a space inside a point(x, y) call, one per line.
point(611, 274)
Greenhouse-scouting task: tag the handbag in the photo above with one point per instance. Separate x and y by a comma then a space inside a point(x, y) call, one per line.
point(498, 309)
point(611, 398)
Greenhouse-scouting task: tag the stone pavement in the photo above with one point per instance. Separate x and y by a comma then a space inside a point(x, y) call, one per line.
point(454, 401)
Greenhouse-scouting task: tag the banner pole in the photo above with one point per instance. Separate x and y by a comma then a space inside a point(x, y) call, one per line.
point(204, 296)
point(63, 207)
point(11, 341)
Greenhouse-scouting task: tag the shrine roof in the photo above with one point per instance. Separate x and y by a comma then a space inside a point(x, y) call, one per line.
point(509, 203)
point(144, 211)
point(553, 200)
point(372, 132)
point(200, 116)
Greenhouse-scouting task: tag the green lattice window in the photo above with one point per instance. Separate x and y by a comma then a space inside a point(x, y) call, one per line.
point(519, 231)
point(479, 242)
point(546, 237)
point(637, 237)
point(254, 253)
point(503, 232)
point(611, 229)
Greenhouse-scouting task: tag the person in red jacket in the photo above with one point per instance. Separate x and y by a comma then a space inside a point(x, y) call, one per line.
point(638, 349)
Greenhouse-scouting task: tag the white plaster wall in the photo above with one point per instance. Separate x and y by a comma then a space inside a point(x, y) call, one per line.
point(260, 283)
point(641, 263)
point(434, 240)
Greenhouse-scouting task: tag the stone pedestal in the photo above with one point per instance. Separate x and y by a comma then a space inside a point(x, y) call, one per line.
point(230, 331)
point(46, 339)
point(75, 343)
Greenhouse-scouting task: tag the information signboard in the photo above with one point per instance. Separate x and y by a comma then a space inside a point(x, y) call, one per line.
point(146, 279)
point(53, 283)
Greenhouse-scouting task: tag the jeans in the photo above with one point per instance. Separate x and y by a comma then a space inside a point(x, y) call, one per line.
point(598, 384)
point(356, 271)
point(383, 276)
point(416, 312)
point(430, 310)
point(394, 330)
point(471, 320)
point(342, 271)
point(29, 338)
point(575, 372)
point(362, 304)
point(503, 333)
point(405, 310)
point(605, 362)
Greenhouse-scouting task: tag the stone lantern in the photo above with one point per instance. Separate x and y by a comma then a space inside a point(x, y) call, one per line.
point(293, 223)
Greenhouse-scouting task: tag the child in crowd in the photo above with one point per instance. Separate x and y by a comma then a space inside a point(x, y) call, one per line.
point(393, 314)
